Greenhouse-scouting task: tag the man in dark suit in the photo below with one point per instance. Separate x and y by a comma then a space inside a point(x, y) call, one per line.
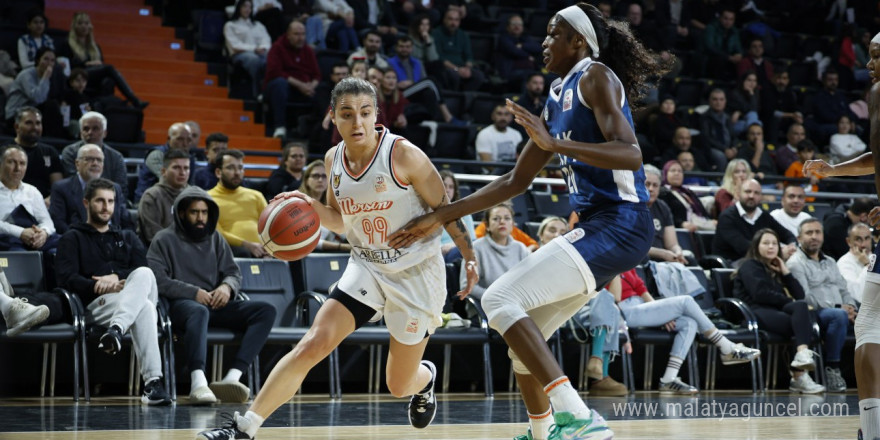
point(67, 206)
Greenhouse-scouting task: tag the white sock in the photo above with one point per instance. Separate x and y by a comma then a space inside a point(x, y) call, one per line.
point(233, 375)
point(5, 303)
point(672, 368)
point(249, 423)
point(870, 419)
point(721, 342)
point(540, 424)
point(564, 398)
point(197, 379)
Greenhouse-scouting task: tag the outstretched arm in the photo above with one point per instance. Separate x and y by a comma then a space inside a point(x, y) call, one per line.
point(860, 166)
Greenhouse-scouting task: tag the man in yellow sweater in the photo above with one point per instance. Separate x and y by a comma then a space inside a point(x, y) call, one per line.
point(240, 207)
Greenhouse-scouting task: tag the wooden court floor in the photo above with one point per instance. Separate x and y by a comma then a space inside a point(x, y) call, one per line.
point(774, 415)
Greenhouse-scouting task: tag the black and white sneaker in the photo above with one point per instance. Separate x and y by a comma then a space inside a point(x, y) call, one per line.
point(111, 340)
point(423, 406)
point(155, 394)
point(229, 430)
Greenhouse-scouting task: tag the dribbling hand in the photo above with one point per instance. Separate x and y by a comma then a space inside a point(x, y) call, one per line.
point(292, 194)
point(417, 229)
point(818, 168)
point(473, 277)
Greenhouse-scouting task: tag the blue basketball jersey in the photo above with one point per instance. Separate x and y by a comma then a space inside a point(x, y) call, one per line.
point(568, 117)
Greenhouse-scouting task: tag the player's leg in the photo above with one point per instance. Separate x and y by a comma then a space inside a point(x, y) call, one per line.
point(408, 375)
point(867, 360)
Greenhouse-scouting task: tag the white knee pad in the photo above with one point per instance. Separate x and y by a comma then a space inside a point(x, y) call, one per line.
point(867, 327)
point(501, 309)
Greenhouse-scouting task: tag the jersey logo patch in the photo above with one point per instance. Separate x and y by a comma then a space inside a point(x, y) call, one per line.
point(380, 186)
point(575, 235)
point(871, 261)
point(566, 100)
point(336, 179)
point(412, 326)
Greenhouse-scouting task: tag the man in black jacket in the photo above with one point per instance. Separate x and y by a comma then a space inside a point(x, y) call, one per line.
point(739, 223)
point(837, 223)
point(195, 271)
point(107, 268)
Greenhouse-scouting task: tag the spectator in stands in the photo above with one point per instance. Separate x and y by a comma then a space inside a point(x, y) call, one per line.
point(753, 149)
point(517, 52)
point(424, 48)
point(533, 97)
point(44, 163)
point(745, 103)
point(806, 151)
point(303, 12)
point(66, 207)
point(646, 31)
point(687, 210)
point(240, 207)
point(517, 233)
point(447, 245)
point(739, 223)
point(289, 175)
point(722, 46)
point(454, 49)
point(195, 270)
point(323, 133)
point(826, 293)
point(664, 126)
point(689, 164)
point(497, 142)
point(716, 127)
point(681, 143)
point(754, 61)
point(679, 314)
point(204, 177)
point(665, 246)
point(376, 16)
point(93, 130)
point(853, 264)
point(787, 154)
point(766, 285)
point(792, 214)
point(736, 173)
point(292, 74)
point(829, 104)
point(392, 102)
point(338, 19)
point(371, 51)
point(270, 13)
point(83, 51)
point(837, 223)
point(844, 144)
point(247, 42)
point(34, 39)
point(315, 181)
point(150, 171)
point(154, 210)
point(37, 87)
point(411, 11)
point(25, 224)
point(673, 20)
point(497, 252)
point(415, 84)
point(550, 228)
point(195, 134)
point(779, 107)
point(116, 285)
point(75, 100)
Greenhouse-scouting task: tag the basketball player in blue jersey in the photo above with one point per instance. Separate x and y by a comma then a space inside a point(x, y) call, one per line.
point(867, 327)
point(378, 182)
point(587, 122)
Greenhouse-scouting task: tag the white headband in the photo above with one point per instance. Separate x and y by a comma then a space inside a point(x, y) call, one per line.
point(876, 38)
point(578, 20)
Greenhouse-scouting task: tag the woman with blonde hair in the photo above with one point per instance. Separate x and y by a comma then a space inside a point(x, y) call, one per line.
point(83, 51)
point(314, 181)
point(736, 173)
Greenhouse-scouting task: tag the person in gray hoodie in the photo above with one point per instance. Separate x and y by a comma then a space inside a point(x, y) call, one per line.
point(497, 251)
point(154, 208)
point(195, 270)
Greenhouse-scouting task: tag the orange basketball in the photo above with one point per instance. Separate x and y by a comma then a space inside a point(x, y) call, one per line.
point(289, 229)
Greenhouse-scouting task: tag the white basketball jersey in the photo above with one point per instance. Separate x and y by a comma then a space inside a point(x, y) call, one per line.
point(374, 204)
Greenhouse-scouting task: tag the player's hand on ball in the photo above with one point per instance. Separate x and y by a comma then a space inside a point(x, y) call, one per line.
point(417, 229)
point(292, 194)
point(818, 168)
point(473, 277)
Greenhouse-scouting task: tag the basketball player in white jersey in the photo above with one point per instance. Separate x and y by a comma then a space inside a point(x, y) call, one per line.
point(378, 182)
point(867, 327)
